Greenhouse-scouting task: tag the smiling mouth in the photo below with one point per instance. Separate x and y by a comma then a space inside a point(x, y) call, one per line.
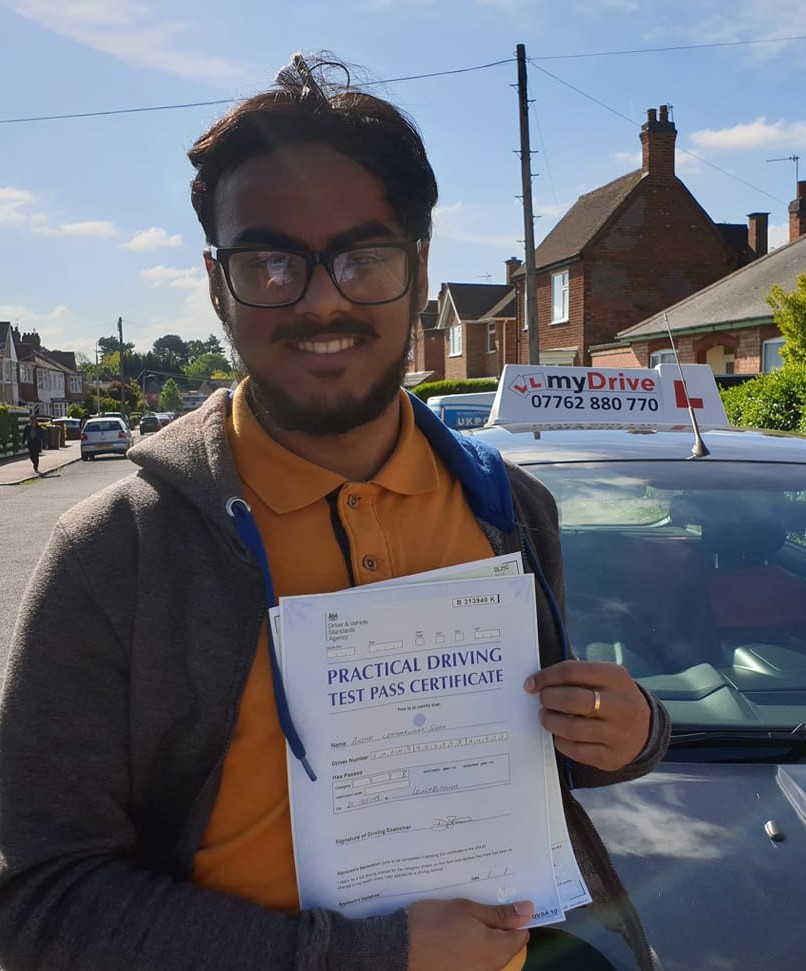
point(333, 345)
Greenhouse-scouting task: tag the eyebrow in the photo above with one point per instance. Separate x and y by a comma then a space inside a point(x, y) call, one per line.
point(264, 236)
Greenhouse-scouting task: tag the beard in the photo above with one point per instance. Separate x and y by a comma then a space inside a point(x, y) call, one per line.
point(335, 417)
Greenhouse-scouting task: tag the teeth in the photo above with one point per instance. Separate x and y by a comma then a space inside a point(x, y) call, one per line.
point(332, 346)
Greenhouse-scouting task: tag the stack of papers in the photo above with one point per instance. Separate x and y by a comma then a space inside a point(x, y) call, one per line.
point(435, 777)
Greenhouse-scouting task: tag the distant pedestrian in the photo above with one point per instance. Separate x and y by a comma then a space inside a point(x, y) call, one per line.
point(33, 436)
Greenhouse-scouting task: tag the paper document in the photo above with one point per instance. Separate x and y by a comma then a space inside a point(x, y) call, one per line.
point(432, 771)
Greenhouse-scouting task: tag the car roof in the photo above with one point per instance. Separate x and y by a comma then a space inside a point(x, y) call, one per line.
point(727, 444)
point(544, 414)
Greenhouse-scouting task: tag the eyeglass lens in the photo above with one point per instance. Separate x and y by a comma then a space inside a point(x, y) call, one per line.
point(371, 274)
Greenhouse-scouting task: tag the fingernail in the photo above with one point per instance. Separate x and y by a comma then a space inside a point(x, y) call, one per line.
point(524, 908)
point(529, 684)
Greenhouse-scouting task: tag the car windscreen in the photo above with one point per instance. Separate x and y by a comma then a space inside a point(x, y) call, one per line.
point(693, 576)
point(103, 426)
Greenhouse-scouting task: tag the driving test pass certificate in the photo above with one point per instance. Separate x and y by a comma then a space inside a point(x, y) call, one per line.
point(428, 752)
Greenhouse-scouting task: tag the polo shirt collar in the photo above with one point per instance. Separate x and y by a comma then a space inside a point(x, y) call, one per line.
point(285, 482)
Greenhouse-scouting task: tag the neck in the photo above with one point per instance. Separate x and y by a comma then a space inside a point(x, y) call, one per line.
point(357, 455)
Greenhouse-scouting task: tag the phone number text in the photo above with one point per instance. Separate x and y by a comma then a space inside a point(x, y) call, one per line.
point(602, 402)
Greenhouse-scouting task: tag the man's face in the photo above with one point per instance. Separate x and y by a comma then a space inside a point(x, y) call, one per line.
point(323, 365)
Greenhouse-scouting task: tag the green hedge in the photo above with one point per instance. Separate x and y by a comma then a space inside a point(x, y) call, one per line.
point(10, 434)
point(430, 389)
point(776, 400)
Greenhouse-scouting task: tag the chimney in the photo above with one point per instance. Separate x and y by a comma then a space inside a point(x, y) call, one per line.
point(658, 136)
point(757, 232)
point(512, 264)
point(797, 214)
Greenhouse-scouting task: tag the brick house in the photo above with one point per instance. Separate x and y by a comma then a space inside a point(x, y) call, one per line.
point(427, 352)
point(630, 248)
point(49, 381)
point(729, 324)
point(9, 369)
point(478, 322)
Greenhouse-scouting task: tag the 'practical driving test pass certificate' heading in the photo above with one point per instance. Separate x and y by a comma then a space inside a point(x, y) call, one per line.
point(430, 758)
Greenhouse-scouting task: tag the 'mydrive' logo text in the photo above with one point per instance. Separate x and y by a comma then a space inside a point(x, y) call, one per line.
point(526, 384)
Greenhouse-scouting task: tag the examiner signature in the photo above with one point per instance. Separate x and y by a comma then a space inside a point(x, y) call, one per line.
point(448, 822)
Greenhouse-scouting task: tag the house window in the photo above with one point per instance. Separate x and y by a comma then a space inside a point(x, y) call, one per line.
point(455, 341)
point(559, 297)
point(771, 358)
point(662, 357)
point(491, 334)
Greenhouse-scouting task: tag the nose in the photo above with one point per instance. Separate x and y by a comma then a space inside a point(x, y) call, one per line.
point(322, 297)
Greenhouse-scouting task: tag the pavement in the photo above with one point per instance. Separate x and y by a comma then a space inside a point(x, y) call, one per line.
point(18, 469)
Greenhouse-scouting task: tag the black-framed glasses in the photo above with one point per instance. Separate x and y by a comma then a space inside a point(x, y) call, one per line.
point(266, 276)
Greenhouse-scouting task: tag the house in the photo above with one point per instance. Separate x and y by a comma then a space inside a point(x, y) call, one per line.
point(628, 249)
point(728, 324)
point(49, 382)
point(479, 324)
point(427, 351)
point(9, 371)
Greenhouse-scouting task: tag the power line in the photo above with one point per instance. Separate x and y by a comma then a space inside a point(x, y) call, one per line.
point(421, 77)
point(678, 47)
point(634, 123)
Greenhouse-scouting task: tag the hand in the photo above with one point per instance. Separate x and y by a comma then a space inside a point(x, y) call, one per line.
point(608, 738)
point(460, 935)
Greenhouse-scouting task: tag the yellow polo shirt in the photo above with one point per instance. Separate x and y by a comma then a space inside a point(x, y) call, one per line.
point(410, 517)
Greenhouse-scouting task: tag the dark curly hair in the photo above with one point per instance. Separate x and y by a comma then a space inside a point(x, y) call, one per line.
point(307, 105)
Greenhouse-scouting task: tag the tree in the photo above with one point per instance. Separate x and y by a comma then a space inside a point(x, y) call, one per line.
point(171, 351)
point(789, 314)
point(207, 364)
point(111, 345)
point(170, 399)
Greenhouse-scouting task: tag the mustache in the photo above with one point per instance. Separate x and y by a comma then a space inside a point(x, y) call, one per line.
point(308, 330)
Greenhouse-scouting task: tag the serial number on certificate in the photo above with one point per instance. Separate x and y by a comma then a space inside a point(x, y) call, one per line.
point(487, 598)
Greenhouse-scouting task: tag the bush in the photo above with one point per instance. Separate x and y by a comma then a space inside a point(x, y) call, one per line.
point(776, 400)
point(10, 435)
point(430, 389)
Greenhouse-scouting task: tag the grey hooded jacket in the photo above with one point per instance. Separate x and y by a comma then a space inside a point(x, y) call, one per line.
point(115, 718)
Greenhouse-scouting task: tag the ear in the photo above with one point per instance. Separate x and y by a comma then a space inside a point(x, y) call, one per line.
point(422, 275)
point(214, 283)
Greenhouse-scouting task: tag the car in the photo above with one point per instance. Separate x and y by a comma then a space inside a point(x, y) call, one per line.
point(72, 426)
point(462, 411)
point(684, 547)
point(150, 423)
point(105, 436)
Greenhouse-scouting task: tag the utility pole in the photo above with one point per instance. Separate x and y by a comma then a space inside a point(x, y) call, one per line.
point(530, 285)
point(97, 383)
point(122, 379)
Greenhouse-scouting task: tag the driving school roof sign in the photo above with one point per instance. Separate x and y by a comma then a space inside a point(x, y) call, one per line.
point(564, 397)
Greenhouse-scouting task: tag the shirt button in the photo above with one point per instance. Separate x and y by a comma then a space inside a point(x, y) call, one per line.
point(369, 563)
point(352, 501)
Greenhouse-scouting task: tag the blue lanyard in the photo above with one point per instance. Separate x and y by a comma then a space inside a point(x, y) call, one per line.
point(247, 529)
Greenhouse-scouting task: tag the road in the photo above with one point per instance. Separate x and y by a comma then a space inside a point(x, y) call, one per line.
point(28, 513)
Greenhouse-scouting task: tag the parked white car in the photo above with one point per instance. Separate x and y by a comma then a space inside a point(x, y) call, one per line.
point(105, 436)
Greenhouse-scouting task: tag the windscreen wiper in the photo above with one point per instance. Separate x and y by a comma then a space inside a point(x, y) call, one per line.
point(722, 736)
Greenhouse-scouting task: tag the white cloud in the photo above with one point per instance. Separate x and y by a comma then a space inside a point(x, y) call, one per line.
point(195, 321)
point(151, 239)
point(135, 33)
point(746, 19)
point(15, 207)
point(753, 135)
point(187, 279)
point(96, 228)
point(777, 235)
point(460, 222)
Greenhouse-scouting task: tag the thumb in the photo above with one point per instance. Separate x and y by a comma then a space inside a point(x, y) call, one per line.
point(503, 916)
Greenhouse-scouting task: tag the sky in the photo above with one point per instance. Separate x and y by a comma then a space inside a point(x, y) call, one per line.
point(101, 99)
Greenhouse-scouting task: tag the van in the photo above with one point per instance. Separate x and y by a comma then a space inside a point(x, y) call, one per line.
point(462, 411)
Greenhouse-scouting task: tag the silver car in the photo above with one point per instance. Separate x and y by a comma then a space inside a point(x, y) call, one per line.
point(105, 436)
point(684, 548)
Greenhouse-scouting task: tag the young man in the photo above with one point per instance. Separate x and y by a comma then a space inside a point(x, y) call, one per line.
point(33, 437)
point(144, 818)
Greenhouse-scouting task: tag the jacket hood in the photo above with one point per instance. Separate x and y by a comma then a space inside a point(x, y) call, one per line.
point(192, 455)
